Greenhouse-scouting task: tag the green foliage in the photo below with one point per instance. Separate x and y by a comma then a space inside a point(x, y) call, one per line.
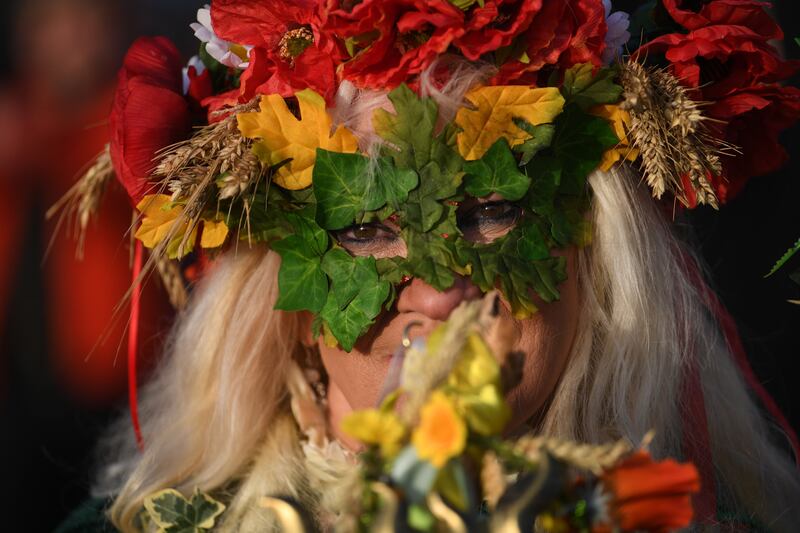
point(785, 258)
point(579, 142)
point(585, 89)
point(496, 172)
point(431, 257)
point(410, 131)
point(356, 296)
point(173, 513)
point(301, 280)
point(541, 138)
point(502, 261)
point(340, 187)
point(344, 187)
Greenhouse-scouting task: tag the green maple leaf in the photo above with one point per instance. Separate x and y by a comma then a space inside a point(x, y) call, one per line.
point(356, 297)
point(173, 513)
point(585, 89)
point(301, 280)
point(413, 144)
point(432, 258)
point(496, 172)
point(501, 262)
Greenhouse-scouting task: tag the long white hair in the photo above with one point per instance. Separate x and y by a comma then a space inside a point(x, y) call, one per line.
point(218, 400)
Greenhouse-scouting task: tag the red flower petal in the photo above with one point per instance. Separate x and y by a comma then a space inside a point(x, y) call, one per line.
point(259, 22)
point(746, 13)
point(149, 112)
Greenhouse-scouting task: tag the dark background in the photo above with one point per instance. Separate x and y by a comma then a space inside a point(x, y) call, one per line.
point(47, 431)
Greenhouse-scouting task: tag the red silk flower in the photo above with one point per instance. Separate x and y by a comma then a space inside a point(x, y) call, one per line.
point(560, 34)
point(495, 24)
point(726, 58)
point(289, 52)
point(149, 111)
point(393, 39)
point(651, 496)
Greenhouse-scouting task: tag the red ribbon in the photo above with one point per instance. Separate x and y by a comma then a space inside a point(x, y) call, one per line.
point(133, 337)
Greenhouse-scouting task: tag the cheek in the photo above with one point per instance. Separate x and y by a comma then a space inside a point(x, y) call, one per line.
point(358, 377)
point(546, 340)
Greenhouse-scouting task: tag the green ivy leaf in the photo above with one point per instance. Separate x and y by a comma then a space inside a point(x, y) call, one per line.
point(585, 89)
point(173, 513)
point(579, 142)
point(532, 244)
point(348, 274)
point(344, 187)
point(349, 323)
point(496, 172)
point(340, 186)
point(541, 138)
point(393, 184)
point(301, 280)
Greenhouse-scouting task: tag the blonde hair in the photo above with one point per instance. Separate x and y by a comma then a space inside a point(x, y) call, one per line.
point(220, 393)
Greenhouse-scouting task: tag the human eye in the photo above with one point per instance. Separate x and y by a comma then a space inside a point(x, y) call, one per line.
point(484, 222)
point(373, 239)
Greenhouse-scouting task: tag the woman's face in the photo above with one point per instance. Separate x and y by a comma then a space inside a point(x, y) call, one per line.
point(356, 378)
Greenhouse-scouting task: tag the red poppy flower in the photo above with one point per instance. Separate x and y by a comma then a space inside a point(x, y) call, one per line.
point(752, 119)
point(149, 111)
point(495, 25)
point(290, 52)
point(726, 58)
point(722, 58)
point(393, 39)
point(560, 34)
point(747, 13)
point(649, 495)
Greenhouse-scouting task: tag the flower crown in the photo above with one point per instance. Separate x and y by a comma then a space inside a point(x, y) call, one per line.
point(244, 143)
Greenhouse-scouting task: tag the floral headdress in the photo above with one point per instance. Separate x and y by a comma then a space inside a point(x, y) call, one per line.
point(246, 144)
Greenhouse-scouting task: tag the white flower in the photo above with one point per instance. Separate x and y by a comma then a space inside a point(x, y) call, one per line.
point(199, 67)
point(617, 35)
point(221, 50)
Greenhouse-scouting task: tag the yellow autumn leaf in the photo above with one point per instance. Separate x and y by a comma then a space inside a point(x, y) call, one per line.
point(620, 121)
point(214, 233)
point(281, 136)
point(162, 219)
point(494, 110)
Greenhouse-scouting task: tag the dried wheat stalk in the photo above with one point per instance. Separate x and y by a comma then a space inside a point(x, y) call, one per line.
point(172, 279)
point(667, 128)
point(595, 458)
point(82, 200)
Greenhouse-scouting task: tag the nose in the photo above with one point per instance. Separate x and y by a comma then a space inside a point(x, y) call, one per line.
point(420, 297)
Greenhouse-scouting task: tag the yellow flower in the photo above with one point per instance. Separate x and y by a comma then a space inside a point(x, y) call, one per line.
point(494, 110)
point(441, 433)
point(161, 220)
point(475, 388)
point(377, 427)
point(621, 122)
point(282, 136)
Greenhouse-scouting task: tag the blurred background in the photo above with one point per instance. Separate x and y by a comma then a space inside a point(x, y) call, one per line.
point(62, 358)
